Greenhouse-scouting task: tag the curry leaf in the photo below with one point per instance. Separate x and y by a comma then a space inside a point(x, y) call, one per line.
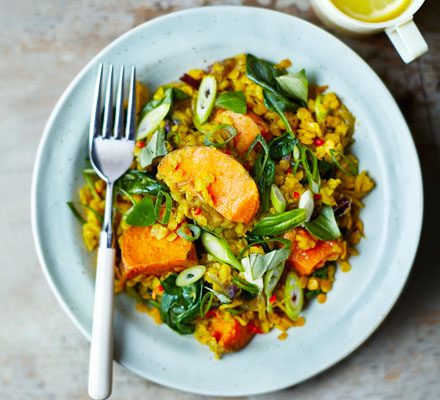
point(262, 72)
point(295, 85)
point(234, 101)
point(324, 227)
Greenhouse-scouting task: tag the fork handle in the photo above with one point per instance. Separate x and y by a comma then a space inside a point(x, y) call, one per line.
point(101, 351)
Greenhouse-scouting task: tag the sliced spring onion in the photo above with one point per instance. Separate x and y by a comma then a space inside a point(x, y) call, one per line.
point(321, 111)
point(190, 275)
point(247, 266)
point(312, 171)
point(206, 303)
point(296, 154)
point(222, 297)
point(306, 202)
point(277, 199)
point(158, 207)
point(99, 216)
point(278, 224)
point(229, 129)
point(270, 281)
point(219, 249)
point(75, 212)
point(152, 119)
point(89, 171)
point(205, 99)
point(195, 230)
point(259, 139)
point(90, 183)
point(245, 285)
point(352, 168)
point(154, 303)
point(286, 244)
point(325, 226)
point(293, 296)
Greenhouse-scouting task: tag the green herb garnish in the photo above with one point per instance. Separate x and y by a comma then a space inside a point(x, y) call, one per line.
point(234, 101)
point(324, 227)
point(180, 305)
point(274, 225)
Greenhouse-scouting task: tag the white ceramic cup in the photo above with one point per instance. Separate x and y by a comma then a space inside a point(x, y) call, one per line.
point(401, 30)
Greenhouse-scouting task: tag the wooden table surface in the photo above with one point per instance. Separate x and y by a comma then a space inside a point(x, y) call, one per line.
point(42, 355)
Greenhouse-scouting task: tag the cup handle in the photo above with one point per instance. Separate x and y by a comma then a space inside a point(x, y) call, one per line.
point(407, 40)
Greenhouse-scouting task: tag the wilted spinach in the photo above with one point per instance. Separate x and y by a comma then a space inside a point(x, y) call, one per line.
point(142, 213)
point(180, 305)
point(140, 182)
point(281, 146)
point(264, 174)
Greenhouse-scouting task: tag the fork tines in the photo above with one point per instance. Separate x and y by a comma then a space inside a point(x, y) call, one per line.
point(114, 118)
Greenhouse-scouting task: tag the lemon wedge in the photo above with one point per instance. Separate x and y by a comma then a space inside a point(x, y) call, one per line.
point(372, 10)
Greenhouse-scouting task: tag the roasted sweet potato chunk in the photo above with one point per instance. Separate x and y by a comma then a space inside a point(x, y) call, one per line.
point(248, 126)
point(304, 262)
point(230, 334)
point(144, 254)
point(215, 177)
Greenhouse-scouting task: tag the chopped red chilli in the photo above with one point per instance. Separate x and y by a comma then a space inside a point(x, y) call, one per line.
point(296, 195)
point(318, 142)
point(253, 328)
point(140, 144)
point(273, 299)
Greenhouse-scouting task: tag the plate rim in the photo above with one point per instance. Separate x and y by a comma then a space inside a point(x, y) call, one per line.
point(182, 13)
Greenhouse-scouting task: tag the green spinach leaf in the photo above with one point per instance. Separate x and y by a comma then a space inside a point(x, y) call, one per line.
point(140, 182)
point(264, 173)
point(281, 146)
point(179, 306)
point(142, 213)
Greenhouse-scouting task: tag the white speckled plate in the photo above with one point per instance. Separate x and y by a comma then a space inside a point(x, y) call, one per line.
point(162, 50)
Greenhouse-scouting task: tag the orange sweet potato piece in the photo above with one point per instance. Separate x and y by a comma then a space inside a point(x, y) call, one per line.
point(232, 191)
point(304, 262)
point(230, 334)
point(144, 254)
point(248, 126)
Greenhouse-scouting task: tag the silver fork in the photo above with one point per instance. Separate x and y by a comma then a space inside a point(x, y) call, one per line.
point(111, 154)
